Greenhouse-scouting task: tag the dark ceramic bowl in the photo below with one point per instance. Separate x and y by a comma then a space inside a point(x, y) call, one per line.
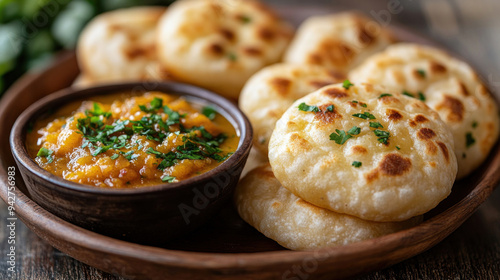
point(147, 215)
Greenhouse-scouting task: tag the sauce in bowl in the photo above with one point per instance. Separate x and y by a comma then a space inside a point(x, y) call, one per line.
point(126, 141)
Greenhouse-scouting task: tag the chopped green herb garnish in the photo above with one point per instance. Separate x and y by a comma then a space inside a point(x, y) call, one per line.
point(421, 96)
point(360, 103)
point(463, 155)
point(356, 164)
point(330, 108)
point(98, 111)
point(474, 124)
point(469, 139)
point(340, 137)
point(376, 125)
point(384, 95)
point(115, 156)
point(397, 147)
point(308, 108)
point(365, 116)
point(209, 112)
point(421, 73)
point(383, 136)
point(408, 94)
point(46, 153)
point(232, 56)
point(168, 179)
point(245, 19)
point(347, 84)
point(354, 130)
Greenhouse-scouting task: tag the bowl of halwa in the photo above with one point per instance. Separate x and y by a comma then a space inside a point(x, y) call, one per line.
point(140, 162)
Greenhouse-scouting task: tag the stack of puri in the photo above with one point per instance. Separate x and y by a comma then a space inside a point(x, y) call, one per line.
point(355, 158)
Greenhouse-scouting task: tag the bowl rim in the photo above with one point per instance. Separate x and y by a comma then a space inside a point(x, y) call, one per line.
point(229, 110)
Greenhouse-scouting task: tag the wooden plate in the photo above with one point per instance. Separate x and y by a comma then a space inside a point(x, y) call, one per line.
point(227, 248)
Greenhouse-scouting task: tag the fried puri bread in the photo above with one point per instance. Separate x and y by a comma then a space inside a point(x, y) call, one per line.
point(296, 224)
point(338, 42)
point(447, 85)
point(220, 44)
point(269, 92)
point(120, 46)
point(364, 152)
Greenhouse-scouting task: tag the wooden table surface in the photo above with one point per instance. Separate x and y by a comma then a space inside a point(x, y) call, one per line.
point(471, 252)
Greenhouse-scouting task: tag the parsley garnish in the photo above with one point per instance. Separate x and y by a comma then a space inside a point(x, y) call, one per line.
point(308, 108)
point(209, 112)
point(354, 130)
point(356, 164)
point(46, 153)
point(365, 116)
point(384, 95)
point(245, 19)
point(383, 136)
point(232, 56)
point(168, 179)
point(155, 105)
point(360, 103)
point(408, 94)
point(341, 136)
point(474, 124)
point(469, 139)
point(421, 96)
point(347, 84)
point(421, 73)
point(115, 156)
point(376, 125)
point(397, 147)
point(330, 108)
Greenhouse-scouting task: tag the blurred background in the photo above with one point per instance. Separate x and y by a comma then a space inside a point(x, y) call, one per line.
point(33, 31)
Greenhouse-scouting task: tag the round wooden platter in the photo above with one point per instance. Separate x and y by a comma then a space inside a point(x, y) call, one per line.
point(227, 248)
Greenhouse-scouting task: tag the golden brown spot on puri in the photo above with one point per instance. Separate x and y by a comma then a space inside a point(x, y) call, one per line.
point(332, 51)
point(417, 74)
point(266, 34)
point(420, 119)
point(336, 76)
point(138, 51)
point(226, 33)
point(425, 133)
point(437, 67)
point(280, 85)
point(464, 89)
point(320, 84)
point(394, 165)
point(326, 116)
point(335, 92)
point(430, 148)
point(252, 51)
point(299, 142)
point(216, 49)
point(432, 164)
point(359, 150)
point(372, 176)
point(454, 107)
point(275, 204)
point(394, 115)
point(444, 150)
point(365, 37)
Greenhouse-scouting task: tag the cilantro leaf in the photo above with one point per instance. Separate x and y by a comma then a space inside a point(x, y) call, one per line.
point(376, 125)
point(383, 136)
point(347, 84)
point(421, 73)
point(340, 136)
point(354, 130)
point(357, 164)
point(209, 112)
point(469, 139)
point(384, 95)
point(365, 116)
point(330, 108)
point(421, 96)
point(168, 179)
point(308, 108)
